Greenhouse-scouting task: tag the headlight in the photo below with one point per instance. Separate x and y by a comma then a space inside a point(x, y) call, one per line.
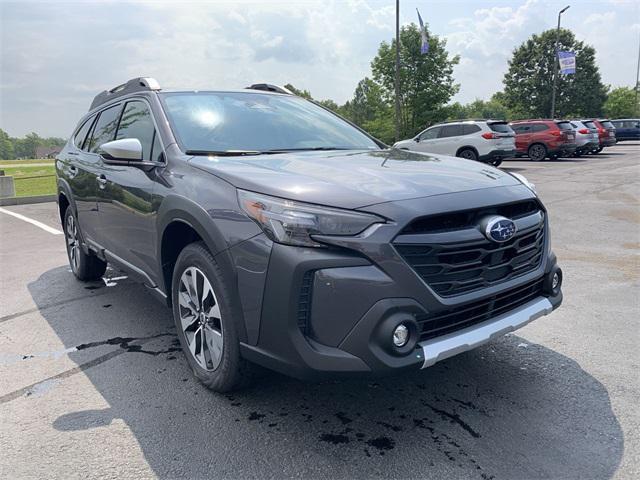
point(293, 223)
point(525, 182)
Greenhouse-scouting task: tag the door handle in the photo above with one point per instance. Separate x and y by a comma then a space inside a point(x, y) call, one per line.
point(102, 180)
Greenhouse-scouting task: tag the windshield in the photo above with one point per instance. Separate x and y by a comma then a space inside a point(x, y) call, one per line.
point(590, 125)
point(564, 126)
point(501, 127)
point(607, 124)
point(257, 122)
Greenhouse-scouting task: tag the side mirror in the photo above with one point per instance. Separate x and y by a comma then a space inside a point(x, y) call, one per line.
point(126, 149)
point(416, 139)
point(637, 125)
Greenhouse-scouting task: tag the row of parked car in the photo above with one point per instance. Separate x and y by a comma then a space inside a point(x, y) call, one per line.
point(491, 141)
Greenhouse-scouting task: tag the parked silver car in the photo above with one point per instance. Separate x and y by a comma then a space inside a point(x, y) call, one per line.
point(586, 137)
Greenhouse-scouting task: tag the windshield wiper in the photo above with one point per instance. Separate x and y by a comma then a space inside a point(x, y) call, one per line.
point(305, 149)
point(223, 153)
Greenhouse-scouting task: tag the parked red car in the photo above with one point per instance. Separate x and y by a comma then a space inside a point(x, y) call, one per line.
point(606, 132)
point(540, 139)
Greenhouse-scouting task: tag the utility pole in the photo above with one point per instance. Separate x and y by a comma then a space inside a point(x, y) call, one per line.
point(397, 70)
point(556, 65)
point(636, 105)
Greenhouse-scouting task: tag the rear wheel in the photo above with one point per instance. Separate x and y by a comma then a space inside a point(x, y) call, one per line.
point(537, 152)
point(467, 153)
point(496, 162)
point(598, 150)
point(84, 266)
point(204, 321)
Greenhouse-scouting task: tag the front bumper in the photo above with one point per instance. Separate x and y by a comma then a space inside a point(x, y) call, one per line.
point(447, 346)
point(328, 312)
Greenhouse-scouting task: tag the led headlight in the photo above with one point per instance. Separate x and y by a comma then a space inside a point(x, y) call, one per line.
point(525, 182)
point(294, 223)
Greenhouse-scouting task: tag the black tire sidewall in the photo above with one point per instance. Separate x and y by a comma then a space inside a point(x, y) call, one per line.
point(225, 376)
point(536, 146)
point(474, 157)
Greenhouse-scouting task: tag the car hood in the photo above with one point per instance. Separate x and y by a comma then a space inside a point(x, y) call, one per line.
point(353, 179)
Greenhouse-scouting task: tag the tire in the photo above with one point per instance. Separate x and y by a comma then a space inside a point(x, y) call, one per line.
point(204, 321)
point(496, 162)
point(85, 267)
point(468, 154)
point(537, 152)
point(577, 154)
point(598, 150)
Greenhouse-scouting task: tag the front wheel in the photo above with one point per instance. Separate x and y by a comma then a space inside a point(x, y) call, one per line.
point(496, 162)
point(84, 266)
point(204, 320)
point(598, 150)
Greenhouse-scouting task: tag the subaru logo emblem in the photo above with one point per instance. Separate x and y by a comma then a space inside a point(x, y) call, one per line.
point(500, 229)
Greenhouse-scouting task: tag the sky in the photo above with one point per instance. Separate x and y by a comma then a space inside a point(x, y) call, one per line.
point(56, 56)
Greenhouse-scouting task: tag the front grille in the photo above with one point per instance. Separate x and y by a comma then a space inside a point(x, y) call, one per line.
point(457, 318)
point(304, 302)
point(456, 268)
point(447, 222)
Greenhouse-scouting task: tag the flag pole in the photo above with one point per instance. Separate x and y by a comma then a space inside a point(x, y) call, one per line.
point(556, 66)
point(397, 79)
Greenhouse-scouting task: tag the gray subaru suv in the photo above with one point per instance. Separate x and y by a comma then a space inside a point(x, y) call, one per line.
point(282, 235)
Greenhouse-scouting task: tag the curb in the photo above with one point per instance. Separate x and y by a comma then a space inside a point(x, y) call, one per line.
point(26, 200)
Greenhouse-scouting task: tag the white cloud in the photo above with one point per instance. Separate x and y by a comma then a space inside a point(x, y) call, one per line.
point(54, 57)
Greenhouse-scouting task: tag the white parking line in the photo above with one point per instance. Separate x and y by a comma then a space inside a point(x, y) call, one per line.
point(46, 228)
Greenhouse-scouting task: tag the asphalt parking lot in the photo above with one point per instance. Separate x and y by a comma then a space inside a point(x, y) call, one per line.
point(92, 383)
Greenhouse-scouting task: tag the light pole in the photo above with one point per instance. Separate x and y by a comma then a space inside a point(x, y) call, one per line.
point(397, 83)
point(556, 65)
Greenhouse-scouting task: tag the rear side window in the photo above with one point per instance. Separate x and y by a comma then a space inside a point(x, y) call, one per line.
point(470, 128)
point(136, 122)
point(607, 124)
point(564, 126)
point(451, 131)
point(502, 127)
point(539, 127)
point(81, 134)
point(430, 134)
point(105, 129)
point(521, 128)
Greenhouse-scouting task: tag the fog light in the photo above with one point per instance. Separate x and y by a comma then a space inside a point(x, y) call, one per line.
point(400, 335)
point(555, 281)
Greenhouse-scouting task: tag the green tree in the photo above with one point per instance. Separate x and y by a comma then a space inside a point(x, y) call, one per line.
point(426, 81)
point(369, 110)
point(6, 146)
point(492, 108)
point(528, 82)
point(621, 103)
point(300, 93)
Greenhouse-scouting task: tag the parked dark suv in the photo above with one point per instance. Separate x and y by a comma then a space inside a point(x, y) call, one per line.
point(539, 139)
point(281, 234)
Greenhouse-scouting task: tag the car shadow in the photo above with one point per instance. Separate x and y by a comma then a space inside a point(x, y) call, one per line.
point(510, 409)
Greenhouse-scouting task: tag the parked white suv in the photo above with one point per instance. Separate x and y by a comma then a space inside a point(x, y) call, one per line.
point(488, 141)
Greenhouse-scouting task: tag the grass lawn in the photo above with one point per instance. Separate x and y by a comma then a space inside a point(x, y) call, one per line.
point(28, 161)
point(32, 180)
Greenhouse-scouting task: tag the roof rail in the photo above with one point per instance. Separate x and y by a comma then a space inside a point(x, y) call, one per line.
point(139, 84)
point(268, 87)
point(473, 120)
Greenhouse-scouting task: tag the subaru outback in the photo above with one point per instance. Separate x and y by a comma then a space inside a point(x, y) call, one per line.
point(282, 235)
point(488, 141)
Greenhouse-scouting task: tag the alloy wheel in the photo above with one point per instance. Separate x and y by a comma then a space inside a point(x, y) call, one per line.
point(73, 243)
point(200, 318)
point(537, 152)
